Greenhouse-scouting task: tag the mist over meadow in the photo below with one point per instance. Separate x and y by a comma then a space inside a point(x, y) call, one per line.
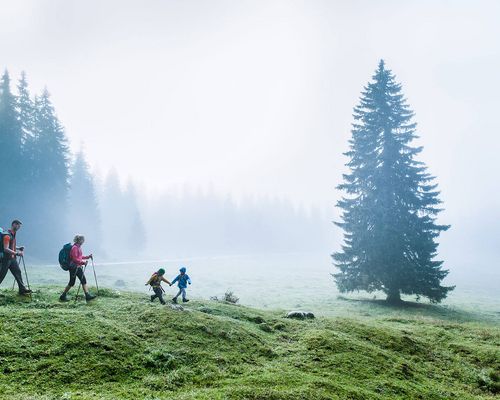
point(183, 130)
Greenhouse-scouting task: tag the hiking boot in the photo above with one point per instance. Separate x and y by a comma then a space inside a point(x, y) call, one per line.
point(163, 302)
point(89, 297)
point(63, 297)
point(25, 292)
point(174, 300)
point(185, 300)
point(153, 297)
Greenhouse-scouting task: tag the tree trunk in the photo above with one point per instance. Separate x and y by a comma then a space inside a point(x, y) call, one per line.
point(394, 296)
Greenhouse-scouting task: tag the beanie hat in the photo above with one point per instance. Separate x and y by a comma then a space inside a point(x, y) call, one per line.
point(161, 271)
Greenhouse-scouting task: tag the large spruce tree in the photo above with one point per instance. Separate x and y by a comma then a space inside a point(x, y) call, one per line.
point(26, 114)
point(10, 152)
point(51, 180)
point(391, 203)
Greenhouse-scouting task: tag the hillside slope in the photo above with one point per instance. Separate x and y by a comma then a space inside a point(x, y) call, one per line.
point(123, 346)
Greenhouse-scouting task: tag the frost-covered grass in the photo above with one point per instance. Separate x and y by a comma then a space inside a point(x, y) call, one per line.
point(123, 346)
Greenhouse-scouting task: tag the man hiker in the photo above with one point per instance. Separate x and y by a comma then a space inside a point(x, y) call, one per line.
point(155, 282)
point(182, 281)
point(9, 255)
point(76, 263)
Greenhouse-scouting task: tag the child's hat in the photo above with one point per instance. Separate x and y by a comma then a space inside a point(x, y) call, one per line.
point(161, 271)
point(183, 269)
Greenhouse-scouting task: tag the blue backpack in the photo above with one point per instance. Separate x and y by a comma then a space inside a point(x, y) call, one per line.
point(64, 256)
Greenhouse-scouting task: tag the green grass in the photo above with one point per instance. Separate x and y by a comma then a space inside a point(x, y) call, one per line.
point(123, 346)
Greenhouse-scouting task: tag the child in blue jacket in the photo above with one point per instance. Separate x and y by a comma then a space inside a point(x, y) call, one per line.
point(182, 281)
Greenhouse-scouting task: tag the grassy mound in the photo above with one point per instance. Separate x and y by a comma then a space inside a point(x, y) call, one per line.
point(123, 346)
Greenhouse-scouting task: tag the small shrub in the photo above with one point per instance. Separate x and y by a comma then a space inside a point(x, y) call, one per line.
point(229, 297)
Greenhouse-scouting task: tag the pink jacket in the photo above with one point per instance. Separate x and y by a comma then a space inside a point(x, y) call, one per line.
point(76, 256)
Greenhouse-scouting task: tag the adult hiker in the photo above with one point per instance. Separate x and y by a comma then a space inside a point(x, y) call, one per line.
point(155, 281)
point(76, 263)
point(182, 281)
point(9, 255)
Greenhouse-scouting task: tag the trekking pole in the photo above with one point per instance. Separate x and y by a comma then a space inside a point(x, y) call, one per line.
point(95, 276)
point(26, 273)
point(14, 283)
point(78, 291)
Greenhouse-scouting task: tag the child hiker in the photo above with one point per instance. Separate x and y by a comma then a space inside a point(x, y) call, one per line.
point(155, 282)
point(183, 280)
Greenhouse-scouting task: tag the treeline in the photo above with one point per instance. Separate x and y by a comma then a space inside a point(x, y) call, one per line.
point(198, 223)
point(42, 183)
point(55, 195)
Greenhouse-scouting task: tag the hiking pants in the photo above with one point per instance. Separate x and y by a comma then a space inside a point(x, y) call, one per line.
point(11, 263)
point(158, 293)
point(75, 271)
point(182, 291)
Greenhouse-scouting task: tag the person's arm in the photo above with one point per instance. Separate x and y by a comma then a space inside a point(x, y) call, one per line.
point(175, 279)
point(188, 279)
point(165, 280)
point(149, 281)
point(6, 244)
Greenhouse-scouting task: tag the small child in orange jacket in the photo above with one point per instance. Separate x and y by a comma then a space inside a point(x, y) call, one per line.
point(155, 282)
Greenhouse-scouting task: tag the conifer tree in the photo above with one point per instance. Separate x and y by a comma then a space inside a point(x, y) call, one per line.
point(26, 114)
point(26, 109)
point(391, 203)
point(10, 151)
point(51, 179)
point(84, 215)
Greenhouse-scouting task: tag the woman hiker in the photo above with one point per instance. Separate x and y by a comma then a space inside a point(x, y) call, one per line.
point(76, 263)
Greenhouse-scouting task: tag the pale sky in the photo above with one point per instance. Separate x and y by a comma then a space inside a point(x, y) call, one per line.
point(256, 97)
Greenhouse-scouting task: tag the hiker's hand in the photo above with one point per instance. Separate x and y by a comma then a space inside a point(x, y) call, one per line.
point(90, 256)
point(21, 248)
point(20, 253)
point(86, 262)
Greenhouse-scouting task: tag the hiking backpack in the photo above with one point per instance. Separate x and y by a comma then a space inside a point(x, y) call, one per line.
point(2, 234)
point(64, 256)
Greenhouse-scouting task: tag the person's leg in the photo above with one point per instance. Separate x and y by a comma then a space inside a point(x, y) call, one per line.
point(4, 267)
point(177, 295)
point(184, 296)
point(16, 271)
point(153, 296)
point(83, 281)
point(159, 294)
point(71, 283)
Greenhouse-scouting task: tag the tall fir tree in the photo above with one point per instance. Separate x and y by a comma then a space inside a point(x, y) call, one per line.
point(10, 152)
point(26, 114)
point(26, 109)
point(84, 215)
point(389, 212)
point(51, 180)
